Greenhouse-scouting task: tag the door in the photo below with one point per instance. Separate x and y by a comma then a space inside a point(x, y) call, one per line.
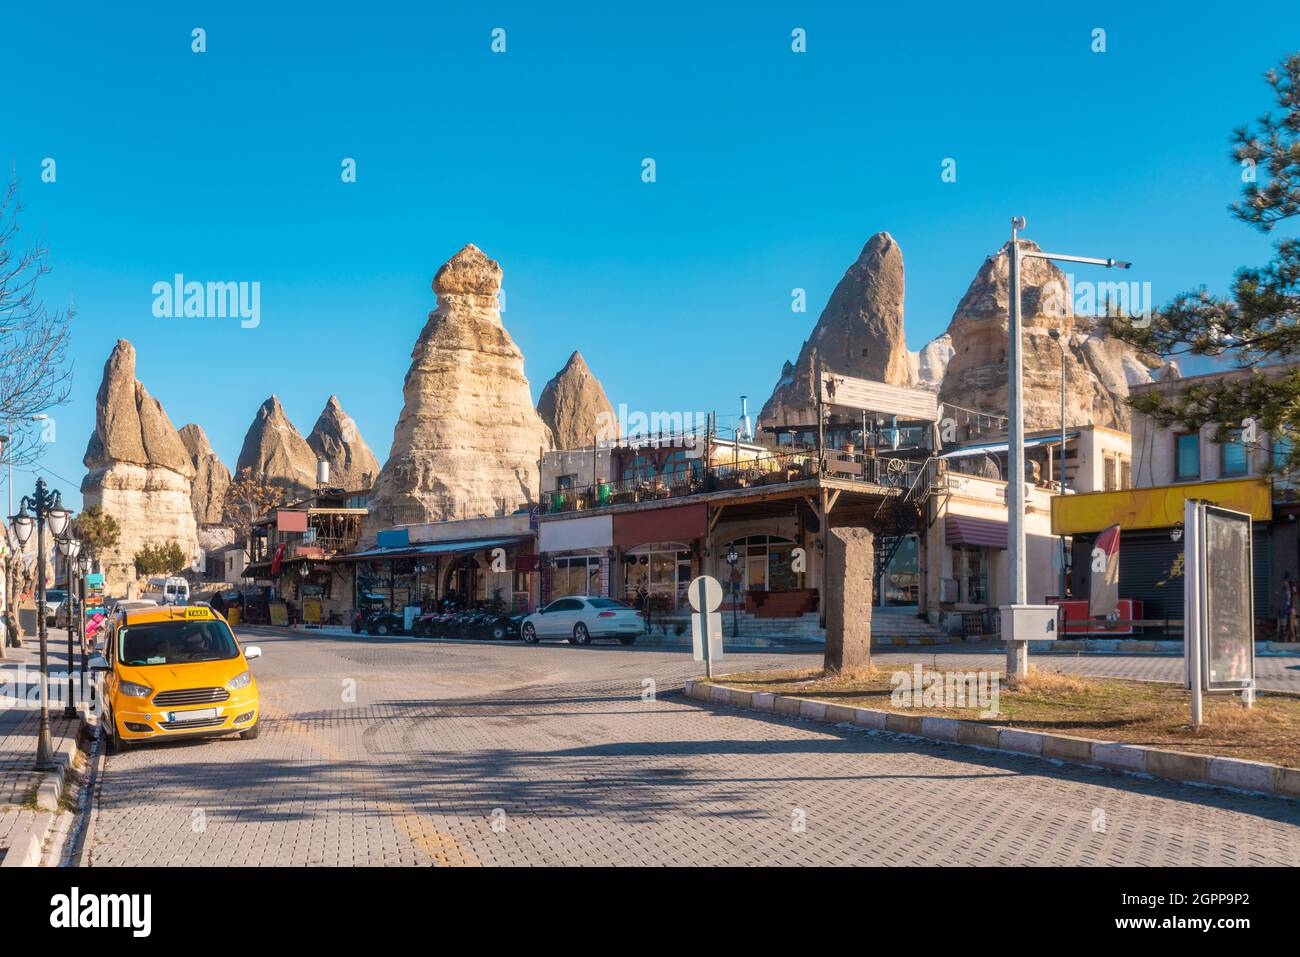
point(560, 615)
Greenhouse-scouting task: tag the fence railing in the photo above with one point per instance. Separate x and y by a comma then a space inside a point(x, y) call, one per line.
point(780, 468)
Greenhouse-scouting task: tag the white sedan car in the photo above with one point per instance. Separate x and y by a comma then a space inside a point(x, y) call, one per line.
point(580, 618)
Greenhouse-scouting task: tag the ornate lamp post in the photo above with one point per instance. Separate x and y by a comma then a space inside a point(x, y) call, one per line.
point(48, 506)
point(69, 548)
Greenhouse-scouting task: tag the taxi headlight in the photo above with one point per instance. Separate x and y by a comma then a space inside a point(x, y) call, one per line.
point(240, 680)
point(133, 690)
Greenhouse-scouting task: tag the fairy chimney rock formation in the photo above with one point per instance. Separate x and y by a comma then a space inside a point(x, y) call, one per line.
point(1098, 368)
point(337, 440)
point(859, 333)
point(276, 452)
point(575, 407)
point(211, 477)
point(139, 470)
point(468, 438)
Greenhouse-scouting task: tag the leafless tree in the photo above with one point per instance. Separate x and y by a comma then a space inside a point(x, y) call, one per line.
point(34, 372)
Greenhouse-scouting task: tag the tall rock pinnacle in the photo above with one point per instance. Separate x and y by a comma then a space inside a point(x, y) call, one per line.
point(575, 406)
point(859, 333)
point(139, 471)
point(1098, 369)
point(276, 451)
point(337, 440)
point(468, 438)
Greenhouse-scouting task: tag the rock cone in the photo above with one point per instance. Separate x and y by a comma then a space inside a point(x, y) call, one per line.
point(337, 440)
point(859, 333)
point(139, 470)
point(275, 450)
point(468, 438)
point(575, 406)
point(211, 477)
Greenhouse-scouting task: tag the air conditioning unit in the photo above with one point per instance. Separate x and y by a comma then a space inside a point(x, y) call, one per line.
point(948, 590)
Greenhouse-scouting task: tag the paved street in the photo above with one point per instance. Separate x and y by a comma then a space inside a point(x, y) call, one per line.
point(507, 754)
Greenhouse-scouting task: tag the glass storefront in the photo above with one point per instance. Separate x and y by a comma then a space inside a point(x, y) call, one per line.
point(658, 570)
point(575, 575)
point(766, 563)
point(900, 582)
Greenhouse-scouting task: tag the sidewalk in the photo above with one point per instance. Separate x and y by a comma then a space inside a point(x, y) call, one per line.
point(29, 798)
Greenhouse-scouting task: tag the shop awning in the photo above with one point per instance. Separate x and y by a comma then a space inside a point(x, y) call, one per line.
point(430, 548)
point(1159, 506)
point(683, 523)
point(994, 448)
point(968, 530)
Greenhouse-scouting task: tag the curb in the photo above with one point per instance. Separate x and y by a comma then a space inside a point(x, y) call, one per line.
point(26, 847)
point(1181, 766)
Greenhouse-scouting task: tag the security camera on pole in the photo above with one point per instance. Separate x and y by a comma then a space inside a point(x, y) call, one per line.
point(1022, 622)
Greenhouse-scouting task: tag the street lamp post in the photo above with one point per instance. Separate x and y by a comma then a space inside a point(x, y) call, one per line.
point(1018, 650)
point(69, 548)
point(1060, 338)
point(732, 558)
point(48, 506)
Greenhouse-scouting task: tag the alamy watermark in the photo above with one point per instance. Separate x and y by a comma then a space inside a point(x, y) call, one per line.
point(919, 688)
point(212, 300)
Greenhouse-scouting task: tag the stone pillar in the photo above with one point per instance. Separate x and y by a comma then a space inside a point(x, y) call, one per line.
point(850, 561)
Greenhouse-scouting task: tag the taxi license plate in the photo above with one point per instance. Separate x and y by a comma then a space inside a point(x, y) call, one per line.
point(202, 714)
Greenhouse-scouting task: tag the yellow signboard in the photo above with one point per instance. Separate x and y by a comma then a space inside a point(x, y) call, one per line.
point(311, 613)
point(197, 612)
point(279, 614)
point(1159, 507)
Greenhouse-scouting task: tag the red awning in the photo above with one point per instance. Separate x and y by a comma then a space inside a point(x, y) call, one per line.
point(965, 530)
point(681, 524)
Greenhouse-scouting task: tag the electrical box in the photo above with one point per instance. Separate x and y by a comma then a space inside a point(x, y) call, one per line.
point(1029, 622)
point(948, 590)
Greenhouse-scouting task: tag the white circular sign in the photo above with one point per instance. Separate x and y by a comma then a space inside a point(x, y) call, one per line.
point(712, 593)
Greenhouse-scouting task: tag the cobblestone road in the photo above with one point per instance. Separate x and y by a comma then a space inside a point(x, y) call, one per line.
point(395, 752)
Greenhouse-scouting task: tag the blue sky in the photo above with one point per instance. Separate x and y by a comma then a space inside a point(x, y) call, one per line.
point(773, 168)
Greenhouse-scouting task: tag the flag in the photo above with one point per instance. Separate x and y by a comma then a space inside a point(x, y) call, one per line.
point(1103, 599)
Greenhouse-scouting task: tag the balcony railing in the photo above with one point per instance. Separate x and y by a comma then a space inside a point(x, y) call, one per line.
point(782, 468)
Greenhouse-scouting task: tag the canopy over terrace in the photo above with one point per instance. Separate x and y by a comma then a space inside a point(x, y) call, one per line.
point(404, 580)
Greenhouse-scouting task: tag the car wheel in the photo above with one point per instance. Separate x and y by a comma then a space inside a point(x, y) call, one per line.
point(248, 734)
point(627, 639)
point(580, 634)
point(113, 743)
point(381, 628)
point(498, 632)
point(529, 634)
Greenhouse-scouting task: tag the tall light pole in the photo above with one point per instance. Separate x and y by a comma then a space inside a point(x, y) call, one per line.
point(1018, 650)
point(69, 548)
point(1057, 335)
point(48, 506)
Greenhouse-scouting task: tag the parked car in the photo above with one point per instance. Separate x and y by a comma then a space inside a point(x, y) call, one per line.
point(174, 672)
point(54, 597)
point(580, 618)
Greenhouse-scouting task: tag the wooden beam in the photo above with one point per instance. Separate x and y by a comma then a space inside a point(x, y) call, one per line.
point(714, 519)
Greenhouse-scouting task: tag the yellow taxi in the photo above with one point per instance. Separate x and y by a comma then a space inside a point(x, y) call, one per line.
point(174, 672)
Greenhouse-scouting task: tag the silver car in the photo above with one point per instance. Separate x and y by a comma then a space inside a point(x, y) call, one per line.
point(580, 618)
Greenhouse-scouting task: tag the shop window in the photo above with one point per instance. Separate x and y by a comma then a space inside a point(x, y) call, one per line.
point(1187, 456)
point(1125, 473)
point(970, 568)
point(578, 575)
point(1235, 463)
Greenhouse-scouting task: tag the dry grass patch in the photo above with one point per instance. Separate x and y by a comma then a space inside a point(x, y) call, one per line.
point(1105, 709)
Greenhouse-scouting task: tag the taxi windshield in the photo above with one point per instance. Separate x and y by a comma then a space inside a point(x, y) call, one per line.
point(176, 643)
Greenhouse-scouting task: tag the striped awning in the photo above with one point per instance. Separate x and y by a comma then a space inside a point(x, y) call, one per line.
point(967, 530)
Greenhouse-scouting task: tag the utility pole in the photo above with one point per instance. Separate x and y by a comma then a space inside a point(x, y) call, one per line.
point(1017, 648)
